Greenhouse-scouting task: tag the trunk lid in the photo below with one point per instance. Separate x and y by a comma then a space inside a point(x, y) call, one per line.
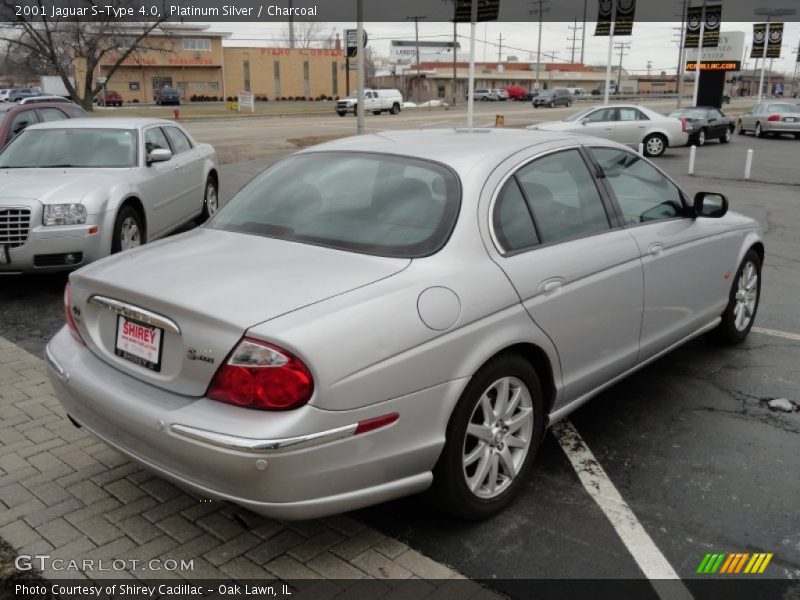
point(212, 286)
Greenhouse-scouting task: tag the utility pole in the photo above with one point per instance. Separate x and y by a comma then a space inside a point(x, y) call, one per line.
point(540, 8)
point(574, 39)
point(416, 33)
point(583, 31)
point(622, 47)
point(500, 48)
point(291, 25)
point(649, 66)
point(679, 72)
point(455, 54)
point(360, 66)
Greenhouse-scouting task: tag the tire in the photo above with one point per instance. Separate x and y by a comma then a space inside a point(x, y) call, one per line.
point(123, 238)
point(395, 109)
point(210, 202)
point(461, 489)
point(654, 145)
point(797, 136)
point(341, 113)
point(726, 136)
point(700, 140)
point(376, 112)
point(744, 298)
point(758, 131)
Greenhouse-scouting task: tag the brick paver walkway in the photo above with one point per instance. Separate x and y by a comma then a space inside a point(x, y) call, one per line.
point(66, 494)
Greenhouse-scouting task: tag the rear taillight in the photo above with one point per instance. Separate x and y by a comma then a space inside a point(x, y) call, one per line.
point(68, 313)
point(774, 118)
point(262, 376)
point(683, 124)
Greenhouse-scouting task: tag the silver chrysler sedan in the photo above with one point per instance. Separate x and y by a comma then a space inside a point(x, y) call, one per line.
point(73, 191)
point(379, 315)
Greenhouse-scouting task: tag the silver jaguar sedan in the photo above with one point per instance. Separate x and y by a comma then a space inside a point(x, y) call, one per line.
point(384, 314)
point(73, 191)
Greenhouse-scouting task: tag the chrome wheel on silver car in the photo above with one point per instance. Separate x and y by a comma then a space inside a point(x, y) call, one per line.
point(128, 230)
point(739, 315)
point(210, 202)
point(492, 436)
point(746, 296)
point(654, 145)
point(498, 437)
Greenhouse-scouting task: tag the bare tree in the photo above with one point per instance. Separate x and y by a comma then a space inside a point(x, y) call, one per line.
point(307, 34)
point(61, 43)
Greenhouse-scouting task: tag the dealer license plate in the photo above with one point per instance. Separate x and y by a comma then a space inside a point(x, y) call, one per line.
point(139, 343)
point(790, 119)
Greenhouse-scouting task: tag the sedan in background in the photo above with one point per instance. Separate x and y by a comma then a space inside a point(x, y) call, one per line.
point(627, 124)
point(109, 98)
point(771, 118)
point(389, 313)
point(14, 118)
point(77, 190)
point(553, 98)
point(705, 123)
point(167, 95)
point(17, 94)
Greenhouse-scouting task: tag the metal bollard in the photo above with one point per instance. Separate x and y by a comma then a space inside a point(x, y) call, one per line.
point(641, 149)
point(692, 152)
point(748, 163)
point(499, 121)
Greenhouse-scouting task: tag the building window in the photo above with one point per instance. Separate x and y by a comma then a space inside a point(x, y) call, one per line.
point(133, 86)
point(306, 82)
point(197, 44)
point(160, 82)
point(334, 79)
point(198, 85)
point(276, 66)
point(213, 85)
point(246, 71)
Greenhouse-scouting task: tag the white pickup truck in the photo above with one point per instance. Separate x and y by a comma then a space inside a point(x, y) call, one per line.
point(376, 101)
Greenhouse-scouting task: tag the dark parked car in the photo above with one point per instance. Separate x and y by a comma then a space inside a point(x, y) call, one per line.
point(14, 118)
point(19, 93)
point(553, 98)
point(109, 98)
point(705, 123)
point(167, 95)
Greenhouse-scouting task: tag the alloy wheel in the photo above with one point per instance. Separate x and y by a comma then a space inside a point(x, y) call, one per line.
point(498, 437)
point(130, 237)
point(727, 134)
point(212, 199)
point(746, 297)
point(655, 146)
point(701, 138)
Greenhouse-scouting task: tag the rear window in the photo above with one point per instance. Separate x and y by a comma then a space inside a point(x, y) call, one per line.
point(367, 203)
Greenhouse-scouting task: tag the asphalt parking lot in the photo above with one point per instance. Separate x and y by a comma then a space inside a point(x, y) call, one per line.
point(698, 457)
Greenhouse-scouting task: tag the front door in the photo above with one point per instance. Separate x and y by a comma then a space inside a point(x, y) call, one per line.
point(599, 123)
point(579, 278)
point(685, 260)
point(164, 190)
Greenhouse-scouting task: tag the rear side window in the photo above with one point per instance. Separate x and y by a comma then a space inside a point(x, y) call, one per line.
point(512, 220)
point(51, 114)
point(367, 203)
point(563, 196)
point(22, 120)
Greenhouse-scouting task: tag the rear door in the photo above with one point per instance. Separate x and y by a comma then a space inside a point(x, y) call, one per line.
point(685, 260)
point(577, 272)
point(631, 126)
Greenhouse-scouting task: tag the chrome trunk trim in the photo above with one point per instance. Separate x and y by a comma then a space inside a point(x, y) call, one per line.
point(137, 313)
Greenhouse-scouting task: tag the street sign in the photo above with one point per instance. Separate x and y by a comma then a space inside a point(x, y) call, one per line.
point(351, 40)
point(246, 100)
point(102, 80)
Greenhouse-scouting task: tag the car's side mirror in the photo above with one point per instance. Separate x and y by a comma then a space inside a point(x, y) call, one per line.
point(159, 155)
point(712, 119)
point(584, 121)
point(710, 204)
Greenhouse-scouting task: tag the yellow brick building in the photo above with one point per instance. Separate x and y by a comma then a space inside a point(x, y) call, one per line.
point(193, 59)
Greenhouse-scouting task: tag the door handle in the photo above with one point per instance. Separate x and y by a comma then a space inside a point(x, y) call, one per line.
point(655, 250)
point(550, 287)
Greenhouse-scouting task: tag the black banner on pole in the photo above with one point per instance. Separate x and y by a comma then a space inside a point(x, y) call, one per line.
point(773, 44)
point(488, 10)
point(605, 15)
point(623, 24)
point(694, 17)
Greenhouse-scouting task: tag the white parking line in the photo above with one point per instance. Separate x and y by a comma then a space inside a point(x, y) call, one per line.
point(776, 333)
point(641, 546)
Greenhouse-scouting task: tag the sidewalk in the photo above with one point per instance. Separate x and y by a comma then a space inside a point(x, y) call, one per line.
point(66, 494)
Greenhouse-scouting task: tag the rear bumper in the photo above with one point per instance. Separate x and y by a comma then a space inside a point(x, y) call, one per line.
point(269, 473)
point(780, 127)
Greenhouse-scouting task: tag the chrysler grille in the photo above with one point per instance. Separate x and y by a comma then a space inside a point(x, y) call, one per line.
point(14, 225)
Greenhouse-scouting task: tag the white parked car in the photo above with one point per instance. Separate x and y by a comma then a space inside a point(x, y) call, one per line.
point(627, 124)
point(77, 190)
point(375, 101)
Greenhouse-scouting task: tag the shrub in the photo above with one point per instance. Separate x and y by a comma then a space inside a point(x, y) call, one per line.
point(229, 99)
point(135, 101)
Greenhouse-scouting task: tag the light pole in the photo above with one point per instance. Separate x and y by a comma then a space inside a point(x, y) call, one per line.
point(696, 89)
point(769, 13)
point(540, 8)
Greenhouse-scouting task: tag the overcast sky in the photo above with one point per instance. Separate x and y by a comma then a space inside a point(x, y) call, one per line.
point(649, 42)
